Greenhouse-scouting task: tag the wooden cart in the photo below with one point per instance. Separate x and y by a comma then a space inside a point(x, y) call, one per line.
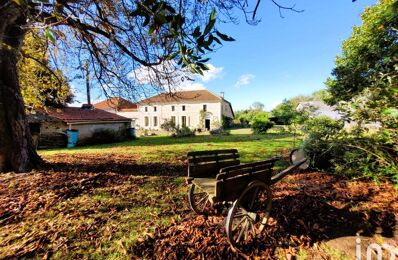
point(217, 179)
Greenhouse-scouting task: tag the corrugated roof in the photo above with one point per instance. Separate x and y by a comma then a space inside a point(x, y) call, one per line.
point(117, 103)
point(77, 114)
point(193, 95)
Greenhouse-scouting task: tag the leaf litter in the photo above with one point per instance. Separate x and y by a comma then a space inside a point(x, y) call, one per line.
point(95, 205)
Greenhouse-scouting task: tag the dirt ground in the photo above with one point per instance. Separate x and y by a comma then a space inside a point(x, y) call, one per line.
point(314, 215)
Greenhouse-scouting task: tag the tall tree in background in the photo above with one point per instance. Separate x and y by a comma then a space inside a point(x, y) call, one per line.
point(258, 106)
point(41, 85)
point(117, 38)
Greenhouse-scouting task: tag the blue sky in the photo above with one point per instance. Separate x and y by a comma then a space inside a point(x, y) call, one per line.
point(284, 57)
point(280, 57)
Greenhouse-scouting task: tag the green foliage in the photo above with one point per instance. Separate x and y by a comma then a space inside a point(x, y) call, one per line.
point(317, 144)
point(245, 117)
point(176, 130)
point(202, 116)
point(168, 126)
point(220, 131)
point(226, 122)
point(106, 136)
point(163, 17)
point(369, 55)
point(330, 147)
point(285, 112)
point(261, 124)
point(365, 82)
point(183, 132)
point(39, 86)
point(364, 86)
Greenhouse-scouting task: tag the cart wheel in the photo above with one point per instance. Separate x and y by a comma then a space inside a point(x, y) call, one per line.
point(198, 200)
point(298, 155)
point(249, 213)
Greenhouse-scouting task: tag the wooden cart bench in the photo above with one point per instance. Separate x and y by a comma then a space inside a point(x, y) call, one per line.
point(217, 178)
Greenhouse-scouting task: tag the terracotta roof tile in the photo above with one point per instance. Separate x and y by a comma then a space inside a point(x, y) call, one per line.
point(76, 114)
point(194, 95)
point(118, 103)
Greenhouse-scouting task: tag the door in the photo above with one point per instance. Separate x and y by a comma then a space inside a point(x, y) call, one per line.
point(207, 124)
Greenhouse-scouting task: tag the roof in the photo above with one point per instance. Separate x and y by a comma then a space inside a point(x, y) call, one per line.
point(319, 108)
point(230, 106)
point(39, 116)
point(192, 95)
point(77, 114)
point(116, 103)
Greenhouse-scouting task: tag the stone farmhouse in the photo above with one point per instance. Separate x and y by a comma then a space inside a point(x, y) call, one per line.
point(196, 109)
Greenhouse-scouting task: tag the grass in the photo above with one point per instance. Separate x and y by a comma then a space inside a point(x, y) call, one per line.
point(166, 149)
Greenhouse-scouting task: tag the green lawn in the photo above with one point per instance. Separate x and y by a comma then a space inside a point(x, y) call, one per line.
point(167, 149)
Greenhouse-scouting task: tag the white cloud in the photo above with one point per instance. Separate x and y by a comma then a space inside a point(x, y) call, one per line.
point(212, 73)
point(168, 76)
point(164, 74)
point(244, 79)
point(190, 85)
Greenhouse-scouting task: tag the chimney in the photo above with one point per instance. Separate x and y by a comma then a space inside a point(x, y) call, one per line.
point(87, 107)
point(222, 94)
point(88, 84)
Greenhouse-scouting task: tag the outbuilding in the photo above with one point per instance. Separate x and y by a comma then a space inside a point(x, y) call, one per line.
point(49, 126)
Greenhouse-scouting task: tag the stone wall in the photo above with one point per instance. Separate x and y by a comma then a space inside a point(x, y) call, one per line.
point(53, 134)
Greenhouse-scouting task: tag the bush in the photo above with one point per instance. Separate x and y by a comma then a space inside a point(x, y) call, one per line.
point(176, 131)
point(168, 126)
point(226, 122)
point(183, 132)
point(318, 144)
point(220, 131)
point(106, 136)
point(354, 153)
point(260, 125)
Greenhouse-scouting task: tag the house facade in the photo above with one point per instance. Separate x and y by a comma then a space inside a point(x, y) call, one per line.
point(198, 109)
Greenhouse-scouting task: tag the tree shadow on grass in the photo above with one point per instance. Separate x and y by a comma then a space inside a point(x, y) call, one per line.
point(104, 164)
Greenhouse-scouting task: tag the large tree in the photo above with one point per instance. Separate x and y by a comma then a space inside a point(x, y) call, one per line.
point(365, 79)
point(117, 38)
point(365, 87)
point(41, 84)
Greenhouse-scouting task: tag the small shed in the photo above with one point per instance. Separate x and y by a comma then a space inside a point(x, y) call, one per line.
point(49, 125)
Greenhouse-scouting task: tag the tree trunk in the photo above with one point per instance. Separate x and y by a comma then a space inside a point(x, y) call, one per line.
point(16, 149)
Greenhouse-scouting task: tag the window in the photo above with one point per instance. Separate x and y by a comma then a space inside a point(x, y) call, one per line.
point(146, 109)
point(183, 121)
point(183, 108)
point(154, 109)
point(205, 108)
point(155, 121)
point(173, 119)
point(146, 121)
point(173, 108)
